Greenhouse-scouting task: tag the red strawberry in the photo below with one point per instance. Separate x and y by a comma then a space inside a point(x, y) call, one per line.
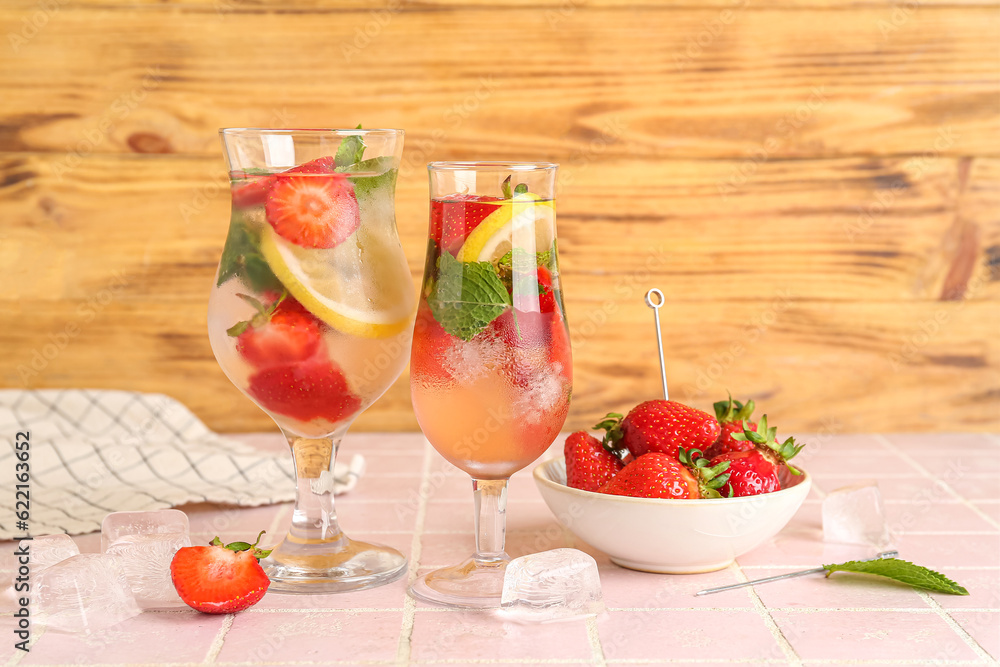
point(288, 335)
point(662, 426)
point(454, 218)
point(657, 475)
point(763, 440)
point(315, 389)
point(750, 473)
point(323, 165)
point(588, 464)
point(430, 345)
point(249, 190)
point(220, 579)
point(311, 210)
point(733, 417)
point(547, 298)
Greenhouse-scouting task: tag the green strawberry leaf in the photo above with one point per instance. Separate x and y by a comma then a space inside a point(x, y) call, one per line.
point(505, 188)
point(350, 151)
point(467, 296)
point(241, 258)
point(900, 570)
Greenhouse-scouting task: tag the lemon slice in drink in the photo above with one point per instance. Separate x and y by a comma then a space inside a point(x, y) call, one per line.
point(526, 223)
point(361, 287)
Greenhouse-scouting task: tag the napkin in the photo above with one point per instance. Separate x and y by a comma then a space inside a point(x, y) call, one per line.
point(93, 452)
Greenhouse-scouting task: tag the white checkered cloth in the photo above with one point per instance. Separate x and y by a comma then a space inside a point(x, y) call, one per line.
point(94, 452)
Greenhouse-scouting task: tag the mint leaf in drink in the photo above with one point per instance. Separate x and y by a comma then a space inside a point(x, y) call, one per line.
point(351, 150)
point(467, 296)
point(377, 173)
point(900, 570)
point(241, 257)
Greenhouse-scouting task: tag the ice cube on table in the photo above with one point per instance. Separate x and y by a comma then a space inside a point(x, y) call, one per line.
point(146, 559)
point(554, 585)
point(47, 550)
point(43, 552)
point(85, 593)
point(856, 515)
point(120, 524)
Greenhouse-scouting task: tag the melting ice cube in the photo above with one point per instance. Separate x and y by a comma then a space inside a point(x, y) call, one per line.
point(553, 585)
point(46, 551)
point(85, 593)
point(120, 524)
point(146, 560)
point(856, 515)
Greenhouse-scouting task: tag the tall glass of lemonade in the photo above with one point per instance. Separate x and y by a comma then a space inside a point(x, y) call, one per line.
point(491, 368)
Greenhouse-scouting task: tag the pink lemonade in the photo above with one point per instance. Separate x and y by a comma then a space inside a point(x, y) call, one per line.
point(491, 366)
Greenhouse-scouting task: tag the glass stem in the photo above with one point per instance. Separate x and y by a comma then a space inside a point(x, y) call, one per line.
point(491, 519)
point(314, 518)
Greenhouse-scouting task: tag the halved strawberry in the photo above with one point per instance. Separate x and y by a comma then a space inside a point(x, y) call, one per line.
point(249, 190)
point(454, 219)
point(313, 210)
point(323, 165)
point(289, 335)
point(305, 391)
point(220, 579)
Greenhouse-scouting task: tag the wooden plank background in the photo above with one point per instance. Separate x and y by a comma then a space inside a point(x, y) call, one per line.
point(814, 184)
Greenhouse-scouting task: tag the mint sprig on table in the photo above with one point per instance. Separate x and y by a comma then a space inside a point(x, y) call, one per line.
point(900, 570)
point(467, 296)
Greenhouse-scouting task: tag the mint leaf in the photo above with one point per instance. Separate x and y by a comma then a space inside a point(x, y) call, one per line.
point(350, 151)
point(241, 258)
point(467, 296)
point(901, 570)
point(383, 175)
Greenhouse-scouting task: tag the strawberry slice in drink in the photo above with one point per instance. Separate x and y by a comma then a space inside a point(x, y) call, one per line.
point(289, 335)
point(313, 210)
point(454, 219)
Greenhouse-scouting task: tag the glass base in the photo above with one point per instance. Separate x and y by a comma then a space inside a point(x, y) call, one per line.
point(472, 584)
point(331, 567)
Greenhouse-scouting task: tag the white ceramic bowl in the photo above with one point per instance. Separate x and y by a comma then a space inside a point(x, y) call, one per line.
point(664, 535)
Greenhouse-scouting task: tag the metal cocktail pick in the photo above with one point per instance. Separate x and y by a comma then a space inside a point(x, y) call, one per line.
point(790, 575)
point(659, 337)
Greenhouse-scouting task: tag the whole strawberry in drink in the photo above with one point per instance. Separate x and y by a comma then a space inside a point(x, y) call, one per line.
point(658, 475)
point(733, 417)
point(661, 426)
point(220, 579)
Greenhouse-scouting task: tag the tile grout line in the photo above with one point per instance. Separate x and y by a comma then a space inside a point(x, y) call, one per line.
point(779, 637)
point(969, 640)
point(220, 638)
point(948, 487)
point(404, 646)
point(597, 656)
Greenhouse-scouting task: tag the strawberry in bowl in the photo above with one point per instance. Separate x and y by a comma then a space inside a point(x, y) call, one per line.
point(669, 509)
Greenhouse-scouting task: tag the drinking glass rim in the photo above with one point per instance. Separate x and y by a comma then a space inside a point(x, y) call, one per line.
point(347, 132)
point(459, 165)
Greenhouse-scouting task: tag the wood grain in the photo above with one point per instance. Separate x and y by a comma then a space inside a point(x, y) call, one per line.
point(631, 82)
point(859, 230)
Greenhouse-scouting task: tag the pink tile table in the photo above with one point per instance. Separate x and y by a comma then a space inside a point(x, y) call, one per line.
point(944, 513)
